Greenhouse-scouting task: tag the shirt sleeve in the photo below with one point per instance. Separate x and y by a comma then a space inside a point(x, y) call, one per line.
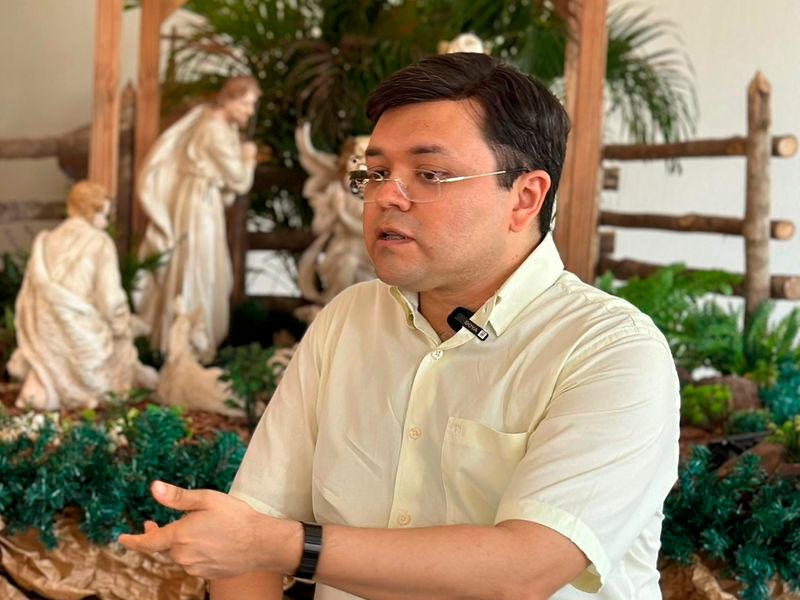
point(275, 475)
point(605, 455)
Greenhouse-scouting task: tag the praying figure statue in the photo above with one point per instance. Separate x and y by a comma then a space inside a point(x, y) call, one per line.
point(193, 172)
point(72, 318)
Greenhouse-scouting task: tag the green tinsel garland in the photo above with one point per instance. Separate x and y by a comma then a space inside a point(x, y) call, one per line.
point(746, 519)
point(105, 469)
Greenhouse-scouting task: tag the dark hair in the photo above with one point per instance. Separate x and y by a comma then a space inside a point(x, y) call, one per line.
point(523, 123)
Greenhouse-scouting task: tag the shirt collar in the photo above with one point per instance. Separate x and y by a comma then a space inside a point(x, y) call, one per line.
point(537, 273)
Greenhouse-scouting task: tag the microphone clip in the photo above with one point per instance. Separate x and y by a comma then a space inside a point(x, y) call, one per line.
point(461, 317)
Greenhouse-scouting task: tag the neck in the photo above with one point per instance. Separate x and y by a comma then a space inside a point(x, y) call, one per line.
point(435, 305)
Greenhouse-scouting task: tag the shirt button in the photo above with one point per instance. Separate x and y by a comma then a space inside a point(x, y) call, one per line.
point(403, 519)
point(415, 433)
point(437, 354)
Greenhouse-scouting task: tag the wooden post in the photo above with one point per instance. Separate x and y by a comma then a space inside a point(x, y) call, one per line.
point(148, 99)
point(576, 225)
point(105, 111)
point(756, 227)
point(124, 198)
point(236, 225)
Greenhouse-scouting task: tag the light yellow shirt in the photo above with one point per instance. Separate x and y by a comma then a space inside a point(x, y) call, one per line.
point(567, 415)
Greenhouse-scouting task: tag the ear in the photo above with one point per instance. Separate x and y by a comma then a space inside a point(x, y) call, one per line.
point(529, 192)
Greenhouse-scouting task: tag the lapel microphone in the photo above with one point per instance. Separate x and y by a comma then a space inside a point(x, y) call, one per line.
point(460, 317)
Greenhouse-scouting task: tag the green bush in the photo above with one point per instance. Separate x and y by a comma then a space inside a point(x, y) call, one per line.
point(104, 469)
point(783, 398)
point(747, 520)
point(251, 377)
point(705, 405)
point(748, 421)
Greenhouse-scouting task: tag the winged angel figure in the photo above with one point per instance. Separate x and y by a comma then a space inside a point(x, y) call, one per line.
point(337, 258)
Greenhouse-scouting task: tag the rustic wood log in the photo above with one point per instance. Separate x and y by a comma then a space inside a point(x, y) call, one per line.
point(756, 226)
point(608, 241)
point(781, 287)
point(782, 146)
point(267, 176)
point(124, 198)
point(32, 210)
point(584, 74)
point(779, 229)
point(610, 179)
point(14, 148)
point(293, 240)
point(279, 303)
point(238, 243)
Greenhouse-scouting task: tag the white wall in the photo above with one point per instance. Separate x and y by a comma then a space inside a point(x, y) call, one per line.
point(47, 48)
point(727, 42)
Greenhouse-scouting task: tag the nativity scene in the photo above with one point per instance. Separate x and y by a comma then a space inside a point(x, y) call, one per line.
point(406, 301)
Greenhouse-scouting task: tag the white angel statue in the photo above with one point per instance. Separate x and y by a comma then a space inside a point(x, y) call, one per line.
point(337, 258)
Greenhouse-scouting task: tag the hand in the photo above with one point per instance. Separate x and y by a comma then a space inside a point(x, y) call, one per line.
point(220, 537)
point(249, 151)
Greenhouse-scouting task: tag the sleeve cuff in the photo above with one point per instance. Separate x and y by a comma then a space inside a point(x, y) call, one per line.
point(257, 505)
point(571, 527)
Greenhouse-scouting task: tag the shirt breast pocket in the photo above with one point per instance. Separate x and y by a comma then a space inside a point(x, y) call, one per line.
point(477, 463)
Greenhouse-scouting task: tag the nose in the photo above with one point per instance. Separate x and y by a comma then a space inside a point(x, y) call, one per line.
point(390, 194)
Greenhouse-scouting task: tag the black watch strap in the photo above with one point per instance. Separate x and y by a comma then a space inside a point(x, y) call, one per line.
point(312, 547)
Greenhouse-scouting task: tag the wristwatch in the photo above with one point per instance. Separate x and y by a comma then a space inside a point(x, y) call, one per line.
point(312, 547)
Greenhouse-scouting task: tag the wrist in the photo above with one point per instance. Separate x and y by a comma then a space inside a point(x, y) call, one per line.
point(312, 549)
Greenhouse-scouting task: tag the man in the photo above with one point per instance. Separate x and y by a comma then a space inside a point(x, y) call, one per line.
point(532, 464)
point(72, 320)
point(193, 172)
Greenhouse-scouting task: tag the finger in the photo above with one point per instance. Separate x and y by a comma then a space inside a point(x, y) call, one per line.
point(155, 540)
point(150, 526)
point(178, 498)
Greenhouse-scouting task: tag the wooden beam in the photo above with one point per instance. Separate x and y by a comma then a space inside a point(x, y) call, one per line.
point(782, 146)
point(105, 112)
point(32, 210)
point(293, 240)
point(779, 229)
point(576, 228)
point(783, 287)
point(148, 98)
point(757, 213)
point(13, 148)
point(280, 303)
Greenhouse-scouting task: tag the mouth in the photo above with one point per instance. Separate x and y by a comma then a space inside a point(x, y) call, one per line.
point(393, 235)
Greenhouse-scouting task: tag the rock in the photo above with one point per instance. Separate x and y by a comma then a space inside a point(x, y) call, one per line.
point(770, 453)
point(744, 391)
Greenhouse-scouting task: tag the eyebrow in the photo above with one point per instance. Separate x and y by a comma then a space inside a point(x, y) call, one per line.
point(414, 150)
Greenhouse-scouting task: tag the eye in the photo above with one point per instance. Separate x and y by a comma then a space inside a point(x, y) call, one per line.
point(377, 175)
point(429, 176)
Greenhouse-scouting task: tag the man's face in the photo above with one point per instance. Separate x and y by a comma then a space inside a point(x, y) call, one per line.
point(449, 243)
point(239, 110)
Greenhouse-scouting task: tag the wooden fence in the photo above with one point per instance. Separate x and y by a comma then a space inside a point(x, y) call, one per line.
point(756, 225)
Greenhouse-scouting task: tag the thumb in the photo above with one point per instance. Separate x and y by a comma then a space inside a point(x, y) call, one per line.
point(178, 498)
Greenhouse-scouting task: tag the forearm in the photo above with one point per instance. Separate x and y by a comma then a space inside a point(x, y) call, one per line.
point(463, 561)
point(255, 585)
